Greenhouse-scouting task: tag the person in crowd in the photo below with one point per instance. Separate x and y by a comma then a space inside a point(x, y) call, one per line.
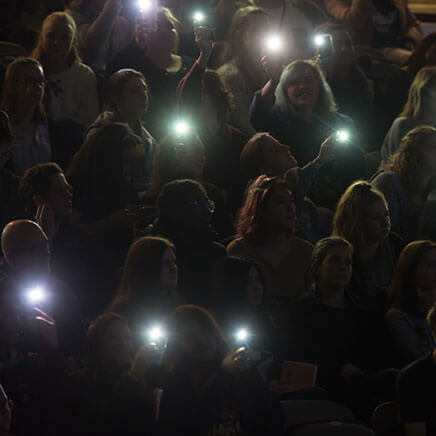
point(243, 73)
point(412, 294)
point(266, 236)
point(23, 92)
point(386, 25)
point(263, 154)
point(209, 389)
point(336, 334)
point(71, 91)
point(105, 396)
point(415, 386)
point(105, 203)
point(417, 111)
point(406, 180)
point(153, 53)
point(362, 218)
point(9, 182)
point(350, 86)
point(208, 102)
point(298, 108)
point(182, 157)
point(101, 31)
point(183, 216)
point(148, 290)
point(423, 56)
point(33, 369)
point(127, 97)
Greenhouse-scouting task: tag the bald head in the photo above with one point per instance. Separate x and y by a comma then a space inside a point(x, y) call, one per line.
point(25, 245)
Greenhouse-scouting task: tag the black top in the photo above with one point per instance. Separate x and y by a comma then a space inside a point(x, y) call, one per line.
point(416, 387)
point(162, 85)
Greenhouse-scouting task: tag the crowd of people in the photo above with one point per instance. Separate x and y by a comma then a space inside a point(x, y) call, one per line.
point(194, 194)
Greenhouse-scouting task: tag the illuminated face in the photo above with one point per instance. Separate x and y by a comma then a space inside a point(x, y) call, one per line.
point(376, 222)
point(335, 269)
point(303, 91)
point(280, 210)
point(57, 39)
point(277, 157)
point(163, 37)
point(134, 97)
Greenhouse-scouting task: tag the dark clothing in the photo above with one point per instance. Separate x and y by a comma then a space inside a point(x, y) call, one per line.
point(416, 387)
point(304, 141)
point(226, 404)
point(10, 206)
point(162, 86)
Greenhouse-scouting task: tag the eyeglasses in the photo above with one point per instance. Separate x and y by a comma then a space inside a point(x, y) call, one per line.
point(210, 204)
point(33, 83)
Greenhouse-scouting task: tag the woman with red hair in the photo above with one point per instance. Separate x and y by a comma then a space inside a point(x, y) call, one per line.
point(266, 236)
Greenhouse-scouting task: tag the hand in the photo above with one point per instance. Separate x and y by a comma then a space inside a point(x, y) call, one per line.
point(348, 370)
point(327, 150)
point(272, 67)
point(203, 41)
point(45, 217)
point(45, 327)
point(236, 361)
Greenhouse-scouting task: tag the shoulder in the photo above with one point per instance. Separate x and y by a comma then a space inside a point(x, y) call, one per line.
point(239, 246)
point(386, 178)
point(82, 69)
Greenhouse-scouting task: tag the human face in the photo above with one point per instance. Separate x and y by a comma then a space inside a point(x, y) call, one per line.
point(57, 39)
point(134, 97)
point(376, 222)
point(343, 48)
point(277, 157)
point(191, 159)
point(425, 273)
point(163, 38)
point(30, 84)
point(430, 56)
point(280, 211)
point(257, 29)
point(335, 269)
point(303, 91)
point(169, 271)
point(198, 343)
point(254, 288)
point(116, 349)
point(60, 195)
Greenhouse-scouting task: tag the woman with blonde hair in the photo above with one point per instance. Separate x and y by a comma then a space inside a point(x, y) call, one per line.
point(72, 87)
point(23, 93)
point(362, 218)
point(418, 110)
point(411, 296)
point(406, 179)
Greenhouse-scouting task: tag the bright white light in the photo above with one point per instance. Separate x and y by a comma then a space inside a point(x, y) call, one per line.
point(242, 335)
point(343, 135)
point(143, 5)
point(319, 40)
point(156, 333)
point(199, 17)
point(273, 43)
point(36, 294)
point(182, 127)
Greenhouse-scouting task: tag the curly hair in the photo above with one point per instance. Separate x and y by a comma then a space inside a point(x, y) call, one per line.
point(325, 104)
point(351, 209)
point(408, 159)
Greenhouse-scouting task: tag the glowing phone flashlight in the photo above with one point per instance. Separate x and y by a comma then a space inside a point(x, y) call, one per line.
point(198, 17)
point(343, 135)
point(273, 43)
point(181, 128)
point(36, 295)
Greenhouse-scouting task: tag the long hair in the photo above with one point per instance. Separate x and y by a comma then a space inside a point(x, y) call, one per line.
point(73, 55)
point(116, 86)
point(180, 323)
point(351, 210)
point(170, 152)
point(417, 59)
point(6, 132)
point(403, 291)
point(9, 100)
point(420, 94)
point(251, 221)
point(325, 104)
point(408, 160)
point(141, 279)
point(252, 155)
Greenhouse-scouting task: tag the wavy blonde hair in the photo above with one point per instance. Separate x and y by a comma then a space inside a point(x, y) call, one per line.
point(408, 159)
point(420, 94)
point(351, 209)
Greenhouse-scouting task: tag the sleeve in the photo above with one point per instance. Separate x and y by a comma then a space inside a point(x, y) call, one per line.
point(260, 113)
point(89, 106)
point(353, 15)
point(405, 336)
point(392, 140)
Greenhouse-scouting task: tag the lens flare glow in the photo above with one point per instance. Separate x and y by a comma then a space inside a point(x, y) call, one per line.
point(144, 5)
point(343, 135)
point(242, 335)
point(273, 43)
point(36, 294)
point(182, 127)
point(156, 333)
point(199, 17)
point(319, 40)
